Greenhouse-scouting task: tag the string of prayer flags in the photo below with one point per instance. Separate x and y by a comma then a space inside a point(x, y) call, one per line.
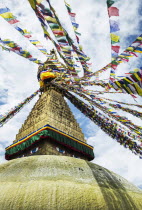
point(77, 49)
point(98, 103)
point(113, 13)
point(119, 102)
point(8, 16)
point(4, 48)
point(123, 57)
point(131, 111)
point(118, 106)
point(109, 126)
point(131, 84)
point(7, 116)
point(55, 25)
point(42, 13)
point(12, 46)
point(72, 17)
point(91, 83)
point(16, 24)
point(84, 59)
point(110, 112)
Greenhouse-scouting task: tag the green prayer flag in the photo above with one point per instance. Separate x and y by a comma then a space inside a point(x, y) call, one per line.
point(114, 62)
point(110, 2)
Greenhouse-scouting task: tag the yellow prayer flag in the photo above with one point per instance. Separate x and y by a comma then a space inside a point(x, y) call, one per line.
point(67, 4)
point(11, 44)
point(112, 74)
point(125, 56)
point(26, 32)
point(137, 76)
point(139, 38)
point(76, 79)
point(35, 42)
point(130, 49)
point(129, 81)
point(48, 18)
point(66, 48)
point(75, 29)
point(136, 70)
point(138, 88)
point(138, 132)
point(43, 51)
point(80, 47)
point(114, 38)
point(118, 84)
point(36, 61)
point(32, 3)
point(7, 15)
point(139, 51)
point(110, 110)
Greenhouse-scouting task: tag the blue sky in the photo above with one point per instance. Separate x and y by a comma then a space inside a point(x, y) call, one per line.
point(18, 75)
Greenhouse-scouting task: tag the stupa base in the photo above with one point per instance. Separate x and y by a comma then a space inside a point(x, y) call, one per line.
point(53, 182)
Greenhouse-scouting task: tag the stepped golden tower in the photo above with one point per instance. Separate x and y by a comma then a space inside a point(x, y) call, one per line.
point(50, 129)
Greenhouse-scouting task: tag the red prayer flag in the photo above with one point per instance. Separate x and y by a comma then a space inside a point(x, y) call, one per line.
point(13, 21)
point(124, 59)
point(133, 53)
point(113, 66)
point(60, 33)
point(29, 56)
point(112, 79)
point(72, 14)
point(16, 48)
point(113, 11)
point(27, 36)
point(115, 48)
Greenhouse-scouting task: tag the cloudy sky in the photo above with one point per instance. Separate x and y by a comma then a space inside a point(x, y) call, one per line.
point(18, 75)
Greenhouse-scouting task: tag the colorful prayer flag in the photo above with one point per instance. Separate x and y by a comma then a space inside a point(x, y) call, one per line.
point(114, 26)
point(115, 48)
point(113, 11)
point(114, 38)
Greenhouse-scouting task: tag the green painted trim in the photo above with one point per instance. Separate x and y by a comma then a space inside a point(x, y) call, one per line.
point(58, 137)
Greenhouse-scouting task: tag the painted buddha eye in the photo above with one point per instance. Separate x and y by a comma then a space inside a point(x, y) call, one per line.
point(34, 150)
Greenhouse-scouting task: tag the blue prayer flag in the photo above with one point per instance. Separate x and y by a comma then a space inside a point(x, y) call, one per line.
point(114, 26)
point(4, 10)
